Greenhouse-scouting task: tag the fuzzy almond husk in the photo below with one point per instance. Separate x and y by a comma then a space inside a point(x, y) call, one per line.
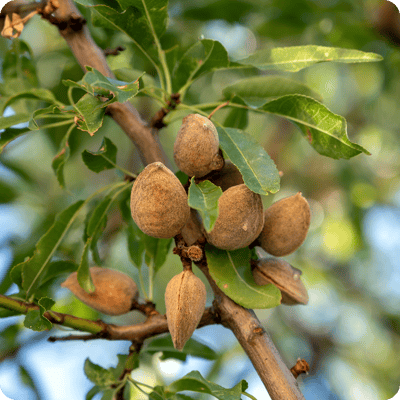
point(115, 291)
point(285, 277)
point(227, 177)
point(240, 219)
point(185, 301)
point(286, 224)
point(196, 146)
point(159, 203)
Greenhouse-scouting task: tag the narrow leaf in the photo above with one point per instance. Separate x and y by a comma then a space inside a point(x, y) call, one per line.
point(34, 93)
point(84, 277)
point(61, 158)
point(298, 57)
point(237, 117)
point(34, 267)
point(257, 90)
point(104, 158)
point(204, 198)
point(257, 168)
point(157, 251)
point(232, 273)
point(7, 122)
point(324, 130)
point(10, 134)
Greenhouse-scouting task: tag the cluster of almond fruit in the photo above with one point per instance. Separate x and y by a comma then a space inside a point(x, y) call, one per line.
point(159, 207)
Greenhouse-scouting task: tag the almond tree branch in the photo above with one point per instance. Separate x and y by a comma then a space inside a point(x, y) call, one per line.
point(73, 29)
point(275, 375)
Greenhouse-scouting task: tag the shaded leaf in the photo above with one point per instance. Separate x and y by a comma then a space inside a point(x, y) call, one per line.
point(10, 134)
point(34, 93)
point(136, 245)
point(84, 277)
point(62, 111)
point(33, 268)
point(204, 56)
point(204, 198)
point(7, 122)
point(56, 268)
point(298, 57)
point(237, 117)
point(257, 90)
point(232, 273)
point(257, 168)
point(7, 192)
point(61, 158)
point(193, 381)
point(324, 130)
point(156, 251)
point(104, 158)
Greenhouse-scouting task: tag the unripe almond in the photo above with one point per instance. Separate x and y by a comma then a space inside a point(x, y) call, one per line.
point(285, 277)
point(115, 291)
point(240, 219)
point(196, 148)
point(159, 203)
point(227, 177)
point(286, 224)
point(185, 301)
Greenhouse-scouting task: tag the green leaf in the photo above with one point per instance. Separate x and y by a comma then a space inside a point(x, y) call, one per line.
point(255, 91)
point(257, 168)
point(141, 20)
point(136, 245)
point(237, 117)
point(36, 266)
point(56, 268)
point(34, 318)
point(7, 122)
point(232, 273)
point(192, 348)
point(194, 382)
point(7, 192)
point(90, 113)
point(84, 277)
point(98, 219)
point(61, 158)
point(298, 57)
point(156, 251)
point(324, 130)
point(10, 134)
point(92, 392)
point(204, 56)
point(98, 375)
point(63, 112)
point(204, 198)
point(104, 158)
point(34, 93)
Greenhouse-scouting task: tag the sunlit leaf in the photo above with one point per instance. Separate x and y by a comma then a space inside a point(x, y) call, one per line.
point(90, 113)
point(324, 130)
point(35, 319)
point(298, 57)
point(257, 168)
point(98, 375)
point(204, 198)
point(232, 273)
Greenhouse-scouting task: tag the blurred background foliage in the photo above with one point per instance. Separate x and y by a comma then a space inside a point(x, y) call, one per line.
point(349, 331)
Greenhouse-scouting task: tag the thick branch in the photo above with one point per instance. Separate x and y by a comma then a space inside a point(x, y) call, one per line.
point(257, 344)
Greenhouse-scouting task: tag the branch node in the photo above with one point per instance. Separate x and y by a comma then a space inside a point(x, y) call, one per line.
point(301, 367)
